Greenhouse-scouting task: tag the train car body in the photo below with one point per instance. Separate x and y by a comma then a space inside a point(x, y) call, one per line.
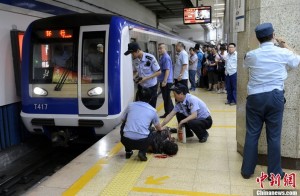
point(68, 81)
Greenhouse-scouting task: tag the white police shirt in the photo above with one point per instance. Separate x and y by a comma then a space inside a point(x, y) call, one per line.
point(231, 63)
point(191, 104)
point(147, 66)
point(139, 115)
point(267, 67)
point(182, 58)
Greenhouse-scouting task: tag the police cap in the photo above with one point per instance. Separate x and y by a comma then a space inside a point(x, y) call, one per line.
point(264, 30)
point(132, 47)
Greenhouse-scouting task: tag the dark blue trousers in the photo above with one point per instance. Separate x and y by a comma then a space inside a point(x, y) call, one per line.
point(231, 88)
point(263, 108)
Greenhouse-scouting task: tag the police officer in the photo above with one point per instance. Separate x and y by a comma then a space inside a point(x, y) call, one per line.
point(146, 68)
point(191, 112)
point(181, 73)
point(265, 101)
point(137, 119)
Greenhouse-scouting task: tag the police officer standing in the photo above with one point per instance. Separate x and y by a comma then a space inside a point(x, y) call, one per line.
point(165, 78)
point(146, 68)
point(265, 101)
point(191, 112)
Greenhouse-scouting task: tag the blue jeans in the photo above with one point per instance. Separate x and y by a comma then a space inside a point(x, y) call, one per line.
point(192, 75)
point(231, 88)
point(263, 108)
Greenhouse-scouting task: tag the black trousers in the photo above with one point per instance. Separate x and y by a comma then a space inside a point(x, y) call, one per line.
point(165, 91)
point(130, 144)
point(153, 92)
point(198, 126)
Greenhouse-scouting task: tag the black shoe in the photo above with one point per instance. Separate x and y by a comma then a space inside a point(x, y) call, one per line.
point(227, 103)
point(203, 139)
point(142, 156)
point(163, 116)
point(232, 103)
point(245, 176)
point(173, 130)
point(128, 154)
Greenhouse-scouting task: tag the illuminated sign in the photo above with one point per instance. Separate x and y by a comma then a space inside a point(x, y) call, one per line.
point(197, 15)
point(56, 34)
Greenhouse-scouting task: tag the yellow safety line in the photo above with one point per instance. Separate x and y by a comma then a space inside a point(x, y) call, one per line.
point(123, 182)
point(223, 126)
point(223, 110)
point(174, 192)
point(85, 178)
point(97, 167)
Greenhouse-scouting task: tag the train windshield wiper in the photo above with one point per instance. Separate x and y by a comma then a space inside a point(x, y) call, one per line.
point(64, 76)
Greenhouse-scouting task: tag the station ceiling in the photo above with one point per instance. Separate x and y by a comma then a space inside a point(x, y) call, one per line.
point(165, 9)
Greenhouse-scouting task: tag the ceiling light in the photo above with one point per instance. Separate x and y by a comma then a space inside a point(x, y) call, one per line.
point(220, 9)
point(219, 4)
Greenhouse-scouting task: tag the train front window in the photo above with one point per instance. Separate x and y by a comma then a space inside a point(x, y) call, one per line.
point(53, 63)
point(93, 69)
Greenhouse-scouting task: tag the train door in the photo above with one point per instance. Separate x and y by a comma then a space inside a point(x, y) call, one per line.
point(92, 70)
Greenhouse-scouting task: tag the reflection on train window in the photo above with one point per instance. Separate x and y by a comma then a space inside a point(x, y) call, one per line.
point(93, 50)
point(53, 63)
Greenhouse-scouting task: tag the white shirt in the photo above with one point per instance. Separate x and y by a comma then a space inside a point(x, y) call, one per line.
point(182, 59)
point(267, 67)
point(147, 66)
point(231, 63)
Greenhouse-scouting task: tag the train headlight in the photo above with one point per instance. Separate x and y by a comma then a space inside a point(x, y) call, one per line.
point(39, 91)
point(95, 91)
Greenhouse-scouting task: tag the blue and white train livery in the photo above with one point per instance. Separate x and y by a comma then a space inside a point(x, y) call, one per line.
point(75, 73)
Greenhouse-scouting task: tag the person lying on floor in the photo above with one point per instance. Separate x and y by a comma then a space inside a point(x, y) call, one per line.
point(191, 112)
point(161, 142)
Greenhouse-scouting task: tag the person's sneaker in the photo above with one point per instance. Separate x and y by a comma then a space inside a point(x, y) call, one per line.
point(232, 103)
point(128, 154)
point(227, 103)
point(142, 156)
point(219, 91)
point(224, 91)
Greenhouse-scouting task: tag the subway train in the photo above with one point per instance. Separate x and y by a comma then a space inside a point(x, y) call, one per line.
point(75, 75)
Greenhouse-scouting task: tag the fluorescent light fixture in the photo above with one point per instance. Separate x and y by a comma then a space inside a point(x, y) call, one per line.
point(220, 9)
point(219, 4)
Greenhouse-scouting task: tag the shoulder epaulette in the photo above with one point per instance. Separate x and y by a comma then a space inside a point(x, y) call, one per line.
point(149, 57)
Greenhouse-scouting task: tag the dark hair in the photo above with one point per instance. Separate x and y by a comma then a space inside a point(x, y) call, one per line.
point(170, 148)
point(265, 39)
point(232, 44)
point(222, 47)
point(197, 46)
point(144, 95)
point(193, 49)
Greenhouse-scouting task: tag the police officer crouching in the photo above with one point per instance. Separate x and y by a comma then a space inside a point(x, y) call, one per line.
point(147, 68)
point(137, 119)
point(191, 112)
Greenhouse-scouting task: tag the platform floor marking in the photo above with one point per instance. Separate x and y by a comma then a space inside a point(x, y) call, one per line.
point(96, 168)
point(126, 178)
point(85, 178)
point(174, 192)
